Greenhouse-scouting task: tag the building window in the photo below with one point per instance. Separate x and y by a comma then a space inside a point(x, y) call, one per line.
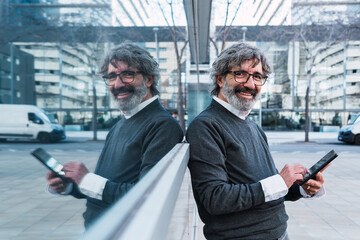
point(18, 94)
point(18, 78)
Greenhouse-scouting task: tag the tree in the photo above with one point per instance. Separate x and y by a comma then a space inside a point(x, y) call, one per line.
point(224, 30)
point(312, 49)
point(179, 52)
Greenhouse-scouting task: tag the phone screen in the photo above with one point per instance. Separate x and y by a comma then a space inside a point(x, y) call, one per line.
point(55, 165)
point(49, 162)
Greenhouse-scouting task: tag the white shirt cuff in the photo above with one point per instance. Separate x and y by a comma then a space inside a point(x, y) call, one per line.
point(319, 193)
point(67, 190)
point(92, 185)
point(274, 188)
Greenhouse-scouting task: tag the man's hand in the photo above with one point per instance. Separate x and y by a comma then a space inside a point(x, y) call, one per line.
point(314, 185)
point(55, 182)
point(75, 171)
point(292, 173)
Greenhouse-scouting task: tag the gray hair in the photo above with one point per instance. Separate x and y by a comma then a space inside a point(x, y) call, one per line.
point(135, 56)
point(234, 56)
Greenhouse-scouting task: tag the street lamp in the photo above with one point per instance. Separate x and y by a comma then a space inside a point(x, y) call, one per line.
point(244, 29)
point(155, 29)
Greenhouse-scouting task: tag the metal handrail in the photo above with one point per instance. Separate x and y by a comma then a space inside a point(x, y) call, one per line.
point(145, 211)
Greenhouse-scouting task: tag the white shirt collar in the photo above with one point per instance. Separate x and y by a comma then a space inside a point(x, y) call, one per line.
point(240, 114)
point(138, 108)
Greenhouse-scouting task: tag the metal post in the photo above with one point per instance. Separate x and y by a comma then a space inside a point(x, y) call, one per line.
point(244, 29)
point(157, 43)
point(60, 77)
point(293, 76)
point(197, 109)
point(94, 114)
point(11, 73)
point(344, 77)
point(260, 111)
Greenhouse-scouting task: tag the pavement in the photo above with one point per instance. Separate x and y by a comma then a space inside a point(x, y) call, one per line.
point(27, 211)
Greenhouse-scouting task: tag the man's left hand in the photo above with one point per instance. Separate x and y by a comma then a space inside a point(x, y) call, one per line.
point(314, 185)
point(75, 171)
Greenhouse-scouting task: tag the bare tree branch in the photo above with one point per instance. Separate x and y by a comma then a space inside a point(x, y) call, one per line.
point(179, 55)
point(215, 45)
point(225, 29)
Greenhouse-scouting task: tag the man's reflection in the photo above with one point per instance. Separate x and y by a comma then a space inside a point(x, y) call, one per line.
point(135, 144)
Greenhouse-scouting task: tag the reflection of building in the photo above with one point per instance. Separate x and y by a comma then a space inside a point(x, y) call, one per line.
point(55, 12)
point(168, 70)
point(16, 76)
point(12, 13)
point(62, 74)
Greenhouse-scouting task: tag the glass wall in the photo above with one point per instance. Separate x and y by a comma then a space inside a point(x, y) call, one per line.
point(64, 76)
point(66, 79)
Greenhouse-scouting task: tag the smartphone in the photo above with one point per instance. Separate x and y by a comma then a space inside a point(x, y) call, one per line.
point(318, 166)
point(50, 162)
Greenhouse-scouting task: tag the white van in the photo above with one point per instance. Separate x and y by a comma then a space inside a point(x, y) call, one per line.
point(351, 133)
point(28, 121)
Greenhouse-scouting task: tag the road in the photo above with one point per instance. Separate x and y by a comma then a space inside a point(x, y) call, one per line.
point(28, 211)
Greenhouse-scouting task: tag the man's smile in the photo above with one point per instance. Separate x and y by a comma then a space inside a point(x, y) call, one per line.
point(123, 92)
point(246, 95)
point(122, 95)
point(245, 92)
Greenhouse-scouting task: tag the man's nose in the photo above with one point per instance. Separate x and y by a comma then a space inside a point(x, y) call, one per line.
point(250, 82)
point(118, 83)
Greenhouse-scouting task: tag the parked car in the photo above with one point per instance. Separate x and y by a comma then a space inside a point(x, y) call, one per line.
point(351, 133)
point(28, 122)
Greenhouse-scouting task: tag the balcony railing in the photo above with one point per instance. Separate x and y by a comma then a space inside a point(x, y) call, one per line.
point(146, 210)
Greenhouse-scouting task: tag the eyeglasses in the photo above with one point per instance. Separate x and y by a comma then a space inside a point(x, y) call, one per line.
point(243, 77)
point(125, 77)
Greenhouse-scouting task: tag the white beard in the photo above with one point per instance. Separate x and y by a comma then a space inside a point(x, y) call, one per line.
point(134, 100)
point(239, 103)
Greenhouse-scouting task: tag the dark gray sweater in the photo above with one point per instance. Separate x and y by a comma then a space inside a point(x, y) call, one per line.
point(228, 158)
point(133, 146)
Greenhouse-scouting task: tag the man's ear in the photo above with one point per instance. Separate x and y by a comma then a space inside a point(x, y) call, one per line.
point(149, 80)
point(220, 80)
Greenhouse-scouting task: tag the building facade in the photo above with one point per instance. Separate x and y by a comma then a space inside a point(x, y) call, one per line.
point(17, 84)
point(64, 74)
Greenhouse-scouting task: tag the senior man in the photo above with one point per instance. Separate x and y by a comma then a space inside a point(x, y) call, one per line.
point(237, 188)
